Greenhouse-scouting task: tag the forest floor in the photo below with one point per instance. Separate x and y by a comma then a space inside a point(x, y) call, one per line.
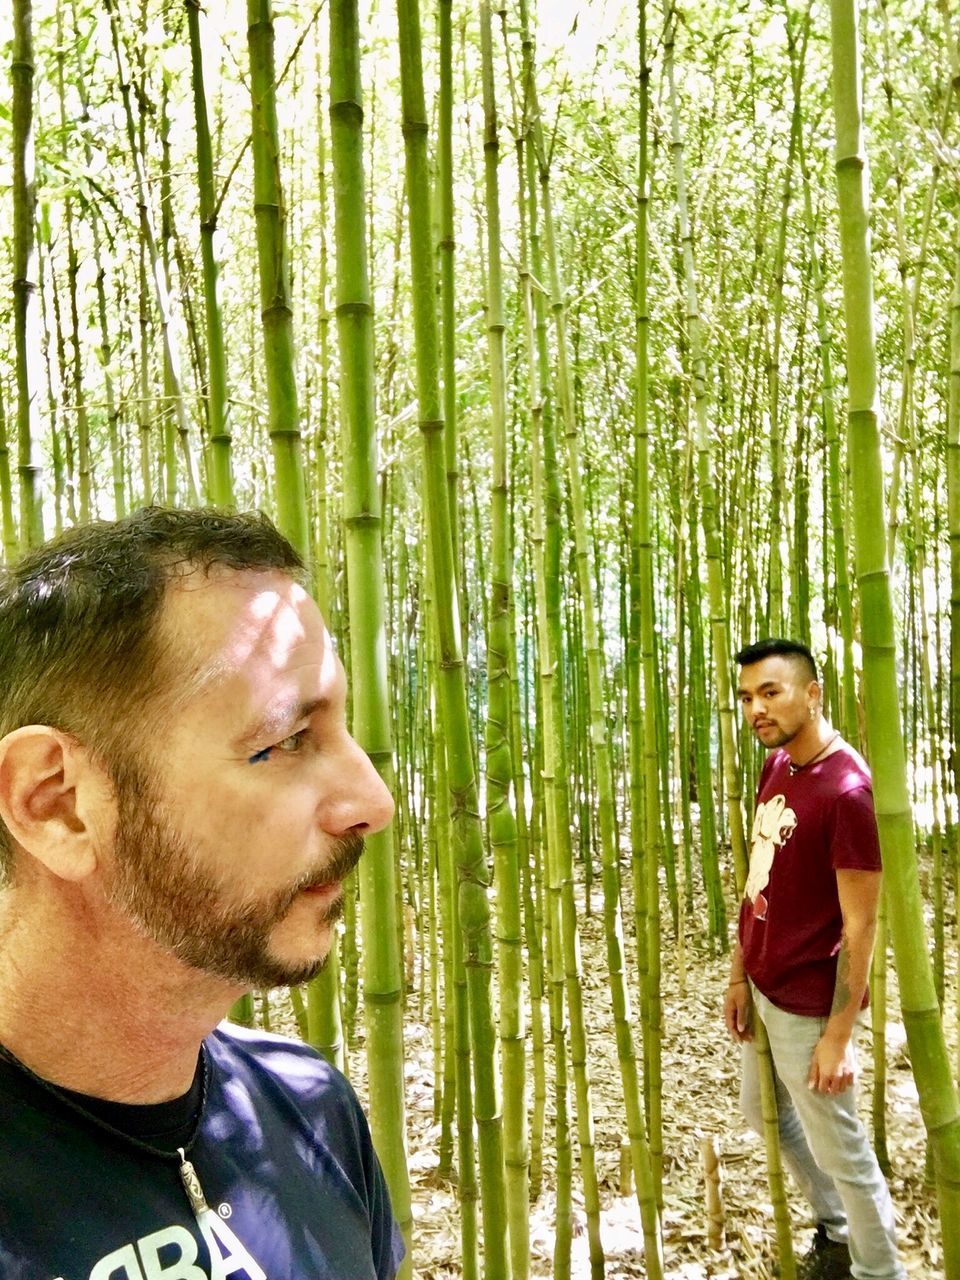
point(700, 1083)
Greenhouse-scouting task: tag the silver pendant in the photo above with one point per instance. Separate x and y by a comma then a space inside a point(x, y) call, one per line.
point(191, 1184)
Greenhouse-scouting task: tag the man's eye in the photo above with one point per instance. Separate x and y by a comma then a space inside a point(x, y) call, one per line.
point(289, 746)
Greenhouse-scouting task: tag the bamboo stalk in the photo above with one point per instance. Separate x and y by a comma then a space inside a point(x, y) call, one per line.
point(938, 1096)
point(474, 909)
point(221, 477)
point(26, 310)
point(501, 820)
point(382, 964)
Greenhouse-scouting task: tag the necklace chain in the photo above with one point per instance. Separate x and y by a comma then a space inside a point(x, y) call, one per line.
point(188, 1175)
point(796, 768)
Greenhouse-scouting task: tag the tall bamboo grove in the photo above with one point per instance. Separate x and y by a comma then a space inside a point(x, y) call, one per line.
point(542, 521)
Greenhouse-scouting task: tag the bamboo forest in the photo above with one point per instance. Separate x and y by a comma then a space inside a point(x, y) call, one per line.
point(574, 346)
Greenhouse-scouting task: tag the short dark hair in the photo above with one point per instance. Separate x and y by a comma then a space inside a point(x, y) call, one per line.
point(81, 648)
point(776, 647)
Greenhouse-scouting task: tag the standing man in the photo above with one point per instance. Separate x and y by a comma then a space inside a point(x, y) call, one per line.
point(180, 801)
point(802, 962)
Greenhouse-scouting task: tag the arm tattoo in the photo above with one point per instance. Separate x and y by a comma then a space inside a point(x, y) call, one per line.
point(841, 991)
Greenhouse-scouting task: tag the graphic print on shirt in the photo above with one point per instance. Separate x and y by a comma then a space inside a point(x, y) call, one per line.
point(142, 1260)
point(773, 825)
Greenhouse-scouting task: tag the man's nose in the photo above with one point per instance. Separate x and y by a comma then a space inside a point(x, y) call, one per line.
point(366, 805)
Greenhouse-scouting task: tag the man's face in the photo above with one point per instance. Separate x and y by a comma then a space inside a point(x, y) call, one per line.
point(234, 834)
point(776, 699)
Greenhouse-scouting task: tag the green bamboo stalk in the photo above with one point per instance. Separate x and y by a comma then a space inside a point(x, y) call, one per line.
point(563, 1176)
point(925, 709)
point(674, 761)
point(529, 842)
point(501, 821)
point(382, 966)
point(26, 311)
point(168, 406)
point(65, 482)
point(52, 380)
point(911, 298)
point(721, 649)
point(953, 512)
point(564, 948)
point(161, 284)
point(699, 683)
point(600, 756)
point(220, 474)
point(775, 612)
point(458, 1090)
point(534, 926)
point(798, 613)
point(801, 558)
point(921, 1016)
point(474, 909)
point(8, 527)
point(324, 992)
point(79, 403)
point(570, 1039)
point(441, 982)
point(520, 715)
point(651, 721)
point(276, 313)
point(106, 355)
point(848, 718)
point(447, 253)
point(143, 373)
point(321, 559)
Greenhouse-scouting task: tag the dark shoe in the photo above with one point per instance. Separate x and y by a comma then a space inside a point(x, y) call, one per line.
point(826, 1260)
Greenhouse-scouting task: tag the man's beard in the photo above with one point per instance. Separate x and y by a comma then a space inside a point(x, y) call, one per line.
point(781, 740)
point(159, 883)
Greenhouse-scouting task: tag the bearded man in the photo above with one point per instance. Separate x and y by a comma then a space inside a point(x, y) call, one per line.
point(180, 801)
point(802, 960)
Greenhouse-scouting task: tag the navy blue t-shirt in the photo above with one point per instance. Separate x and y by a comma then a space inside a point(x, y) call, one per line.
point(283, 1154)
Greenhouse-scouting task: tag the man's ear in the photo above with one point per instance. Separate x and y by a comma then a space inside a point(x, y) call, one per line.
point(52, 797)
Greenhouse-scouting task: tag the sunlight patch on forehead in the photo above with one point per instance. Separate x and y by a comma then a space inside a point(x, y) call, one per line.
point(272, 624)
point(277, 622)
point(248, 616)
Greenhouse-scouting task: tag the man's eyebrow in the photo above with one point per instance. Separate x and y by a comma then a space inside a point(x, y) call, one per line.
point(280, 716)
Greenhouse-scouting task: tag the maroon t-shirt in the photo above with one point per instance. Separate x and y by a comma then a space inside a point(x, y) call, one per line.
point(806, 827)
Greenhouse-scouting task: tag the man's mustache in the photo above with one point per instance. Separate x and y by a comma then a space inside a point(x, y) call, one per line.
point(343, 856)
point(346, 853)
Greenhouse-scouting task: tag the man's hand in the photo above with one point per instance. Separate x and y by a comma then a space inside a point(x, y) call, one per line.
point(833, 1067)
point(737, 1009)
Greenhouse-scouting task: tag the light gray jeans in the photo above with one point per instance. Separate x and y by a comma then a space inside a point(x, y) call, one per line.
point(824, 1145)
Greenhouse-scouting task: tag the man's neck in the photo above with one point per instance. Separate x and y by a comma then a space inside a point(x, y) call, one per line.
point(810, 741)
point(107, 1016)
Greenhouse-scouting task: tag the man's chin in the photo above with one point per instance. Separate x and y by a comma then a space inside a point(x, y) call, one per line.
point(261, 972)
point(274, 974)
point(306, 973)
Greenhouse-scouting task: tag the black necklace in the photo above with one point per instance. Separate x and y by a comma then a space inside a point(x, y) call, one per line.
point(188, 1175)
point(797, 768)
